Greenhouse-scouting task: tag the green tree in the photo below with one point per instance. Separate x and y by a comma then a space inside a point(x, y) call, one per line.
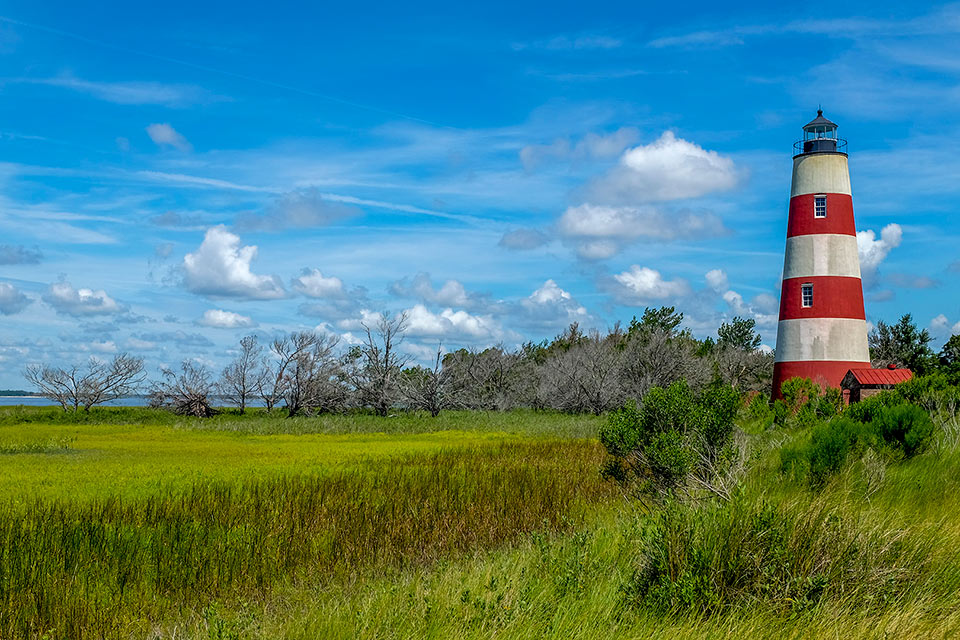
point(739, 333)
point(950, 354)
point(902, 344)
point(661, 319)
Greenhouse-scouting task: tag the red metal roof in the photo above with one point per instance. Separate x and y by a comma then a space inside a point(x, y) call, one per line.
point(881, 376)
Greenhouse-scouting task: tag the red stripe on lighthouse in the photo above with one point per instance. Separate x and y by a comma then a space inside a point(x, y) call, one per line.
point(825, 372)
point(833, 297)
point(803, 221)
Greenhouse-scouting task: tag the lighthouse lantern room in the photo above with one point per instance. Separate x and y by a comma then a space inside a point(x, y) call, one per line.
point(822, 331)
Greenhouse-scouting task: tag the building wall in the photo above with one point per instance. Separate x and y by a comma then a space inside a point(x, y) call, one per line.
point(820, 173)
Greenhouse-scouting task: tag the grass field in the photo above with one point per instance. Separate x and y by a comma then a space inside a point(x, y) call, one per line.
point(136, 452)
point(131, 523)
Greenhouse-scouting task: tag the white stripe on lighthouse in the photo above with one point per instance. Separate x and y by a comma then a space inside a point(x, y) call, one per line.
point(822, 339)
point(822, 254)
point(820, 173)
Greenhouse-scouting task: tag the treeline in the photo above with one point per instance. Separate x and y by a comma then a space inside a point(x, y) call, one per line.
point(305, 373)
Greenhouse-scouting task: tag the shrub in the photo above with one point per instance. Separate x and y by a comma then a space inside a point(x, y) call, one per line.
point(867, 410)
point(703, 560)
point(797, 392)
point(831, 443)
point(759, 407)
point(619, 434)
point(906, 426)
point(780, 412)
point(899, 429)
point(829, 404)
point(673, 434)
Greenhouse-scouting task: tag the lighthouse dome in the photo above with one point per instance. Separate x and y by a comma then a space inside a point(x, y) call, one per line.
point(820, 136)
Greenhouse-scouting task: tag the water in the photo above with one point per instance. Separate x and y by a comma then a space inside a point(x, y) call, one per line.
point(134, 401)
point(34, 401)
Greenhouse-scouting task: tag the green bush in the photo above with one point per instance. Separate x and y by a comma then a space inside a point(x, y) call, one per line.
point(829, 404)
point(867, 410)
point(796, 392)
point(907, 427)
point(780, 412)
point(759, 407)
point(619, 434)
point(664, 440)
point(703, 560)
point(832, 442)
point(898, 430)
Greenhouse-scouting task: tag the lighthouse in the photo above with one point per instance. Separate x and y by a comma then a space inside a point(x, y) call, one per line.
point(822, 332)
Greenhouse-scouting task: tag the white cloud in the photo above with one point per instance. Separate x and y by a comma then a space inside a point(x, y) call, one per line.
point(941, 327)
point(873, 251)
point(669, 168)
point(301, 209)
point(367, 318)
point(80, 302)
point(12, 300)
point(423, 322)
point(133, 92)
point(221, 268)
point(717, 280)
point(102, 346)
point(164, 135)
point(599, 221)
point(550, 307)
point(313, 284)
point(600, 231)
point(763, 308)
point(597, 249)
point(642, 284)
point(225, 320)
point(549, 292)
point(592, 145)
point(136, 344)
point(451, 293)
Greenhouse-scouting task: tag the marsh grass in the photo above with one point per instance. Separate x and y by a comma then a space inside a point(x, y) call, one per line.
point(257, 421)
point(110, 567)
point(806, 565)
point(52, 445)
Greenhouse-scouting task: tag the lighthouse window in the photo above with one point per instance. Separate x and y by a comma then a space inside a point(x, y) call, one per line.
point(820, 206)
point(806, 295)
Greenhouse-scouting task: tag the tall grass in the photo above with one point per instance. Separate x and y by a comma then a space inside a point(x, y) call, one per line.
point(110, 567)
point(258, 421)
point(822, 565)
point(52, 445)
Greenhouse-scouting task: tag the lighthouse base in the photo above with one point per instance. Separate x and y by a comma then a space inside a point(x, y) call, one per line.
point(826, 373)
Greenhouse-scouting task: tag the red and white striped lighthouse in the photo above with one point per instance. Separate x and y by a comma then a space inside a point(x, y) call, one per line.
point(822, 331)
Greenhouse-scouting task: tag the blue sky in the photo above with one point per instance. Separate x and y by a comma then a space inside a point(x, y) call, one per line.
point(173, 179)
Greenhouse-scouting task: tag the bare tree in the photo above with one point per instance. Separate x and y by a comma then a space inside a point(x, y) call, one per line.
point(313, 375)
point(429, 389)
point(376, 364)
point(658, 358)
point(240, 379)
point(493, 379)
point(744, 369)
point(186, 392)
point(585, 376)
point(97, 383)
point(271, 386)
